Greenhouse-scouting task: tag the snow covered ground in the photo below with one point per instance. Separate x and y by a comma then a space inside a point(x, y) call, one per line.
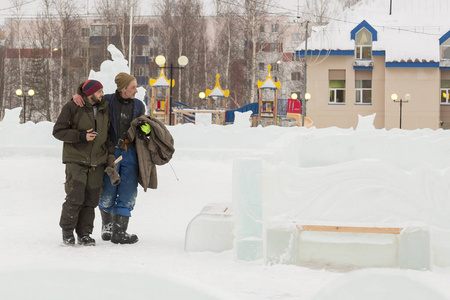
point(34, 265)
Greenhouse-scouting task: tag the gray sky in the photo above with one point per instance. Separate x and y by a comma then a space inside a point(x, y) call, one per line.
point(31, 7)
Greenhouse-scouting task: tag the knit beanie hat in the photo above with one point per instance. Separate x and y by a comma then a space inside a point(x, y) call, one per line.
point(123, 80)
point(90, 87)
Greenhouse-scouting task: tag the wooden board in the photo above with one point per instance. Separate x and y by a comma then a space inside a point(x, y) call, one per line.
point(386, 230)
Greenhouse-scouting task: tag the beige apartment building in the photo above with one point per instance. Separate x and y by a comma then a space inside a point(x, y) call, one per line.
point(377, 49)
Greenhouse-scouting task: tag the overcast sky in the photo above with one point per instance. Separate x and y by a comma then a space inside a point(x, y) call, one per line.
point(31, 7)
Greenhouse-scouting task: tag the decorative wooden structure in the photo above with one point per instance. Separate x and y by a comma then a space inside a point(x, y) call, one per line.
point(217, 92)
point(160, 103)
point(267, 113)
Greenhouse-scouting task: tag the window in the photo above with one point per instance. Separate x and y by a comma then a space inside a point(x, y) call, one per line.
point(445, 49)
point(139, 71)
point(275, 27)
point(141, 29)
point(261, 28)
point(336, 86)
point(83, 52)
point(445, 90)
point(295, 57)
point(296, 37)
point(139, 50)
point(363, 44)
point(295, 76)
point(84, 32)
point(274, 47)
point(153, 32)
point(363, 87)
point(261, 66)
point(275, 67)
point(113, 30)
point(261, 46)
point(153, 52)
point(98, 30)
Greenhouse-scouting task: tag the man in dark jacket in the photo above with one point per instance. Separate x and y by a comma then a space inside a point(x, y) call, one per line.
point(85, 133)
point(117, 201)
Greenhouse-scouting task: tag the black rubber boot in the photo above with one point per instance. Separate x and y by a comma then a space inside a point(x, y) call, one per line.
point(106, 225)
point(68, 238)
point(119, 234)
point(86, 240)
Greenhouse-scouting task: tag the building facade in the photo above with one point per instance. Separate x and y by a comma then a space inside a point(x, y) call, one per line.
point(374, 50)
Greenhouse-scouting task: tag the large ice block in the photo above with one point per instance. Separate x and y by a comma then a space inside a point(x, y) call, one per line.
point(414, 248)
point(211, 229)
point(247, 206)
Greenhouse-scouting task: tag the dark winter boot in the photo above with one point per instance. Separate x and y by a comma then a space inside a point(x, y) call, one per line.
point(68, 238)
point(119, 234)
point(86, 240)
point(106, 225)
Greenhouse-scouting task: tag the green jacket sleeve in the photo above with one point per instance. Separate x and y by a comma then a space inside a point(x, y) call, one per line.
point(62, 129)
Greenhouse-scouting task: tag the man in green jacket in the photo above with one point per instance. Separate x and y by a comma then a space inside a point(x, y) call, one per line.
point(85, 133)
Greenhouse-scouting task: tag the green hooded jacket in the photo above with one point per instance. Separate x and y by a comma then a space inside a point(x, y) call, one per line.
point(71, 124)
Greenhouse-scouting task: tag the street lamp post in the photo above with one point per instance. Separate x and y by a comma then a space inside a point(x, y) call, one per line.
point(394, 98)
point(161, 61)
point(20, 93)
point(306, 97)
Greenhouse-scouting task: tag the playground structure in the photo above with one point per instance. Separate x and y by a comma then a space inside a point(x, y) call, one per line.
point(160, 101)
point(264, 112)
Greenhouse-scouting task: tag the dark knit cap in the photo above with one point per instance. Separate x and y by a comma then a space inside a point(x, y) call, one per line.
point(90, 87)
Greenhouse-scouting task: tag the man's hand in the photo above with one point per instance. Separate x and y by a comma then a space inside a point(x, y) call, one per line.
point(88, 135)
point(78, 100)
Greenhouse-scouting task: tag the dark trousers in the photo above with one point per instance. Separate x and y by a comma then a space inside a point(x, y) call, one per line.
point(83, 189)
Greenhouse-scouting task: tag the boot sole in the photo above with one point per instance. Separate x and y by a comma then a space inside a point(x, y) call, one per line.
point(124, 243)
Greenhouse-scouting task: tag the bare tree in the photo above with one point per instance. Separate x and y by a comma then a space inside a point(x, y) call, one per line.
point(254, 15)
point(117, 14)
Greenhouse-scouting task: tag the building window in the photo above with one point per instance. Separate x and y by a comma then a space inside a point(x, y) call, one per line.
point(83, 52)
point(295, 57)
point(139, 50)
point(274, 47)
point(261, 46)
point(275, 27)
point(445, 49)
point(296, 37)
point(139, 71)
point(336, 86)
point(98, 30)
point(295, 76)
point(113, 30)
point(363, 87)
point(153, 32)
point(84, 32)
point(261, 66)
point(363, 90)
point(153, 52)
point(363, 44)
point(275, 67)
point(261, 28)
point(445, 90)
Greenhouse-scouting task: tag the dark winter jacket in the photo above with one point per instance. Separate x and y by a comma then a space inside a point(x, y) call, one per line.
point(155, 149)
point(115, 102)
point(73, 121)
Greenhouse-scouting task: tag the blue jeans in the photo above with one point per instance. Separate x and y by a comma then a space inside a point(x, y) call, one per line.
point(120, 199)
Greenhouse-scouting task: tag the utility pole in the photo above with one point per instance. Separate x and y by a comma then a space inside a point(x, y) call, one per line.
point(304, 76)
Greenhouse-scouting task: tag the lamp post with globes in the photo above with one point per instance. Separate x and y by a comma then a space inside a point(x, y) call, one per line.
point(394, 98)
point(161, 61)
point(306, 97)
point(20, 93)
